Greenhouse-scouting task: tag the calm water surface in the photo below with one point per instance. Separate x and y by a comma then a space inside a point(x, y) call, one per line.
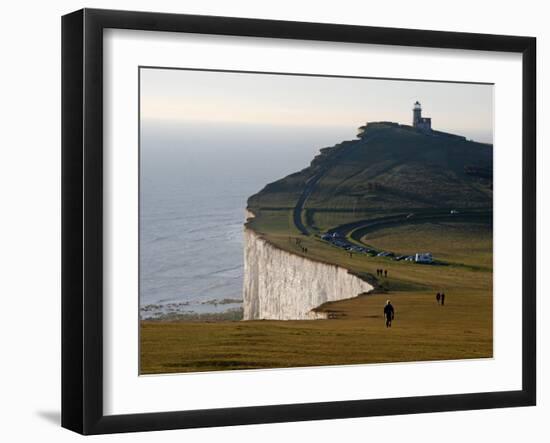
point(194, 183)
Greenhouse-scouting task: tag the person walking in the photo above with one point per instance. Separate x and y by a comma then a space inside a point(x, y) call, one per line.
point(438, 297)
point(389, 313)
point(385, 273)
point(442, 298)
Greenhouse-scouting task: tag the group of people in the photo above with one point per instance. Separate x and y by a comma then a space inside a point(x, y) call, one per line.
point(389, 311)
point(299, 244)
point(382, 272)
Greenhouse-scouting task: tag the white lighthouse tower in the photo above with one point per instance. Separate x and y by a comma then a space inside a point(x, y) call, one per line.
point(422, 123)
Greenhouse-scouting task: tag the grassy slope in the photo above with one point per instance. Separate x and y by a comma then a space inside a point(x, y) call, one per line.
point(396, 168)
point(396, 171)
point(399, 168)
point(422, 330)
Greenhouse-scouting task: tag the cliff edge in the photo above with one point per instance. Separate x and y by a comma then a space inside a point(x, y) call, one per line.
point(279, 285)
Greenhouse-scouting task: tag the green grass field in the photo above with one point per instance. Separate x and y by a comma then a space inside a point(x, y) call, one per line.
point(422, 331)
point(356, 334)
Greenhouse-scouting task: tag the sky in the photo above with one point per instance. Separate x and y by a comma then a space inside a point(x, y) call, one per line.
point(174, 96)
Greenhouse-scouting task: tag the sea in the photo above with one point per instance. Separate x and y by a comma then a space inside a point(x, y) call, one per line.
point(195, 179)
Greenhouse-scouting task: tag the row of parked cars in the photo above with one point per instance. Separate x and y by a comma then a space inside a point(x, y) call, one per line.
point(395, 257)
point(336, 239)
point(421, 257)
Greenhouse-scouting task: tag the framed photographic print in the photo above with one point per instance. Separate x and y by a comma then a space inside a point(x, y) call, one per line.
point(269, 221)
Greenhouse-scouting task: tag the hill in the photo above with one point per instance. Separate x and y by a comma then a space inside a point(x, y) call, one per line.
point(389, 169)
point(392, 175)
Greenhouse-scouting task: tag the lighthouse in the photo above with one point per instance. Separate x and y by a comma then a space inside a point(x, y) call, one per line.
point(424, 124)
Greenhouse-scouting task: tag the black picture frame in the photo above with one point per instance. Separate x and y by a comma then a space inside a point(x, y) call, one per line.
point(82, 220)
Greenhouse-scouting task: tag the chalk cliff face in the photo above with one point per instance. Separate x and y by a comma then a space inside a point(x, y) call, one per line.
point(279, 285)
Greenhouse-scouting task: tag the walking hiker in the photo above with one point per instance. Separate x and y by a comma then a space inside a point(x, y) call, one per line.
point(438, 297)
point(388, 313)
point(442, 298)
point(385, 273)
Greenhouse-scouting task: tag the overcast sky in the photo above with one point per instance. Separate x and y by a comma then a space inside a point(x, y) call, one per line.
point(287, 100)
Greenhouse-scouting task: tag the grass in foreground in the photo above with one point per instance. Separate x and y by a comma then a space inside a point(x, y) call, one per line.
point(422, 331)
point(356, 335)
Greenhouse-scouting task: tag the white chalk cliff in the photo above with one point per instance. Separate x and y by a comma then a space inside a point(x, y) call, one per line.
point(279, 285)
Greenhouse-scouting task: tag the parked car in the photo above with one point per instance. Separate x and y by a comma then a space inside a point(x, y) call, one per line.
point(423, 257)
